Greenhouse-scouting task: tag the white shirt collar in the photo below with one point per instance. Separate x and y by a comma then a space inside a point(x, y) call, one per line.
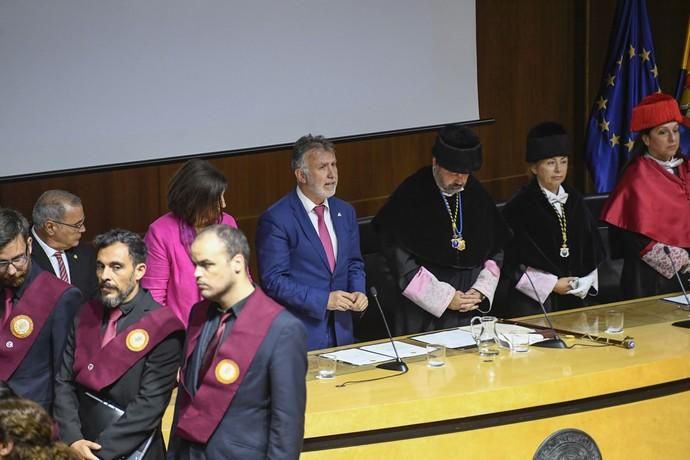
point(50, 252)
point(667, 165)
point(560, 197)
point(307, 203)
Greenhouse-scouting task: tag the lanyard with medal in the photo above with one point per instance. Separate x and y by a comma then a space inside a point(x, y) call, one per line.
point(457, 241)
point(563, 223)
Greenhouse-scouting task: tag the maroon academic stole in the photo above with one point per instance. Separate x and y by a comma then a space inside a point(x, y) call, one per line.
point(27, 319)
point(199, 416)
point(94, 367)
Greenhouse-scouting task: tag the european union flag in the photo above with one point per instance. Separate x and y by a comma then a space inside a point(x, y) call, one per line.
point(629, 75)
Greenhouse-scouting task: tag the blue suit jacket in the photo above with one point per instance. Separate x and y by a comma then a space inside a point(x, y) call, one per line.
point(294, 269)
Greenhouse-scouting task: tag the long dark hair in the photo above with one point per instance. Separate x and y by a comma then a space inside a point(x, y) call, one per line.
point(640, 149)
point(194, 193)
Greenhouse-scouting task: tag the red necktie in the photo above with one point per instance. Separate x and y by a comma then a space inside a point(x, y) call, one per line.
point(213, 345)
point(111, 329)
point(325, 236)
point(8, 306)
point(61, 266)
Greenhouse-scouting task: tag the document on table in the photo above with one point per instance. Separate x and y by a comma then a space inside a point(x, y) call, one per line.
point(454, 338)
point(405, 350)
point(357, 357)
point(679, 299)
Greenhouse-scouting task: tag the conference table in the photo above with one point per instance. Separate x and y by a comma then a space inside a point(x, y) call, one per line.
point(592, 399)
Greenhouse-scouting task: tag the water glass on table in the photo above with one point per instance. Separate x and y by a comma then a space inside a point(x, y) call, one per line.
point(435, 355)
point(614, 321)
point(327, 367)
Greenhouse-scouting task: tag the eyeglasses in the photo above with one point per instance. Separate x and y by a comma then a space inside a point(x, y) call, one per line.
point(17, 262)
point(76, 226)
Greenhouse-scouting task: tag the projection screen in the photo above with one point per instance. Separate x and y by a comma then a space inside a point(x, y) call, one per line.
point(88, 83)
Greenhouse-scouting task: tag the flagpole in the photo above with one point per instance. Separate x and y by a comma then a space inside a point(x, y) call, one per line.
point(684, 64)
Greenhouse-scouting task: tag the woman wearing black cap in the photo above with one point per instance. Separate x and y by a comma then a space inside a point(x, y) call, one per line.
point(650, 206)
point(556, 241)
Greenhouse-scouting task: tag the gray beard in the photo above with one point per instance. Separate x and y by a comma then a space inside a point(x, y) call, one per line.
point(116, 301)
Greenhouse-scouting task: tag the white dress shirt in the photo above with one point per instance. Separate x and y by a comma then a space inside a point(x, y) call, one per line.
point(309, 207)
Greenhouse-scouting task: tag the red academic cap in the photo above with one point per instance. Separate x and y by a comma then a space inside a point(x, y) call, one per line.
point(654, 110)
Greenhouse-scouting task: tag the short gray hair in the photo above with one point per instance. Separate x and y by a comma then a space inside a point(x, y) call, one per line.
point(234, 240)
point(51, 205)
point(305, 144)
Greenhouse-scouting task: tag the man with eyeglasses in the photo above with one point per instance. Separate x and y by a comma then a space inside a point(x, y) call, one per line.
point(58, 224)
point(36, 312)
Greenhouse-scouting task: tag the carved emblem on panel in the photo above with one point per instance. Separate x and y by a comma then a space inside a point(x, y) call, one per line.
point(570, 444)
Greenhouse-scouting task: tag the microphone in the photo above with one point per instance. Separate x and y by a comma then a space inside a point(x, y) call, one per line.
point(398, 364)
point(684, 324)
point(556, 342)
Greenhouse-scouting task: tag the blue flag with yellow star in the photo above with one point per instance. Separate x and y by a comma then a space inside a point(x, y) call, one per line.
point(630, 74)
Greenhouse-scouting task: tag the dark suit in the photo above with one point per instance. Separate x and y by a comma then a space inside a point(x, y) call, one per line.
point(143, 391)
point(294, 268)
point(33, 378)
point(266, 417)
point(82, 266)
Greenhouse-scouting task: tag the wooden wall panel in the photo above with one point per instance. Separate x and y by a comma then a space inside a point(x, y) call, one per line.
point(126, 198)
point(525, 64)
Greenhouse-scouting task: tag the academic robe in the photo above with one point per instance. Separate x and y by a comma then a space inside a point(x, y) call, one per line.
point(265, 416)
point(537, 241)
point(415, 231)
point(143, 391)
point(33, 378)
point(649, 205)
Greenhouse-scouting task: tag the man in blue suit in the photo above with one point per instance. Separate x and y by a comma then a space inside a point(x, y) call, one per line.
point(308, 249)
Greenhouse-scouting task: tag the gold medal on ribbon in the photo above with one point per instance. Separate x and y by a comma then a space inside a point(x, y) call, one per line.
point(458, 243)
point(565, 251)
point(21, 326)
point(137, 340)
point(227, 371)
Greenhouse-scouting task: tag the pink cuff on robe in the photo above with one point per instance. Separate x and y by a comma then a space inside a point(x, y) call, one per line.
point(429, 293)
point(654, 256)
point(487, 280)
point(543, 283)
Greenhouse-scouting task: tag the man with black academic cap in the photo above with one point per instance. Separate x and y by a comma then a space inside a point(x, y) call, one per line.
point(443, 238)
point(123, 351)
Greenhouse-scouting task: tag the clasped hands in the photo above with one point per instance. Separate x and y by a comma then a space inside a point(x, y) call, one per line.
point(344, 301)
point(466, 301)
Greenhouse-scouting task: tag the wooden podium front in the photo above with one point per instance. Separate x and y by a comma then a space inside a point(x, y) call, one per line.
point(625, 403)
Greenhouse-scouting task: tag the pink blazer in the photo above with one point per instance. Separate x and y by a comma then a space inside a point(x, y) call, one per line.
point(169, 270)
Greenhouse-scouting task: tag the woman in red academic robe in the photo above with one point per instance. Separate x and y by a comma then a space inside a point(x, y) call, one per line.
point(650, 206)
